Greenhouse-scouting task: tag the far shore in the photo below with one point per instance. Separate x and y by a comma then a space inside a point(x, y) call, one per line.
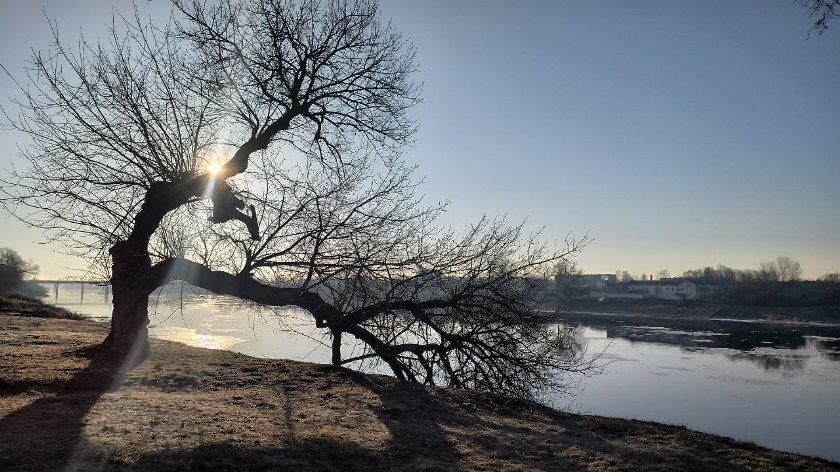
point(695, 312)
point(192, 408)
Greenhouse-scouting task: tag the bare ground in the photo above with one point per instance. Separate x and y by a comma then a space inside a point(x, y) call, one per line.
point(191, 408)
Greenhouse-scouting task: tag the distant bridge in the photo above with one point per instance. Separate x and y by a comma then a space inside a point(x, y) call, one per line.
point(70, 281)
point(82, 283)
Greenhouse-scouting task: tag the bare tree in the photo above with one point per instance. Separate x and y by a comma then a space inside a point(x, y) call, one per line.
point(824, 11)
point(623, 276)
point(252, 148)
point(789, 269)
point(830, 277)
point(567, 277)
point(767, 272)
point(721, 272)
point(782, 269)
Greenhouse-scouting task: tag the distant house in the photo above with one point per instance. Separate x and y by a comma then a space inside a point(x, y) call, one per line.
point(597, 281)
point(679, 288)
point(665, 289)
point(582, 284)
point(712, 289)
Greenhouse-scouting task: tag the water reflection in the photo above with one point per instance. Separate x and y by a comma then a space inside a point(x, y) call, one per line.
point(775, 396)
point(769, 346)
point(192, 337)
point(786, 361)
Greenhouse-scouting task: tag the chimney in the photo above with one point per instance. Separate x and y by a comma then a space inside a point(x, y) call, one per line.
point(651, 277)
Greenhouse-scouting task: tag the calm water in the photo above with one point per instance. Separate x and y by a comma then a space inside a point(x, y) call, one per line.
point(774, 386)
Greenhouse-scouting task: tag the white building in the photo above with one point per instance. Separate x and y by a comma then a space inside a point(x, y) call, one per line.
point(665, 289)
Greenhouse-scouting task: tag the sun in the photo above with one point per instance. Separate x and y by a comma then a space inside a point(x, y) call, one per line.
point(214, 167)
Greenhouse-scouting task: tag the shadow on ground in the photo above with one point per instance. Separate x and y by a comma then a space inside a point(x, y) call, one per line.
point(48, 431)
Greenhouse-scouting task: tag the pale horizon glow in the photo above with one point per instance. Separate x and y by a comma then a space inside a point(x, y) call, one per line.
point(678, 134)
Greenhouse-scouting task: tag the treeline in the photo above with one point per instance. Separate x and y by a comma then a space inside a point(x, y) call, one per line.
point(773, 283)
point(777, 283)
point(781, 269)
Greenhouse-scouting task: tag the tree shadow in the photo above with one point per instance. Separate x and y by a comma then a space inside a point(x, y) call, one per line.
point(416, 441)
point(429, 430)
point(415, 422)
point(48, 431)
point(306, 454)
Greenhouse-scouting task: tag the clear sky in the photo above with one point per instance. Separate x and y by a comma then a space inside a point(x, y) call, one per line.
point(679, 134)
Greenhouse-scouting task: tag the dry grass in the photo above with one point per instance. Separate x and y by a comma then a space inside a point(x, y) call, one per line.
point(28, 306)
point(190, 408)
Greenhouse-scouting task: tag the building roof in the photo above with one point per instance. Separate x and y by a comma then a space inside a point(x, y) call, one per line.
point(669, 281)
point(703, 281)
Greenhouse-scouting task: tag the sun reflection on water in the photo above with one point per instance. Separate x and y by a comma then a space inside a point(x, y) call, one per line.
point(192, 337)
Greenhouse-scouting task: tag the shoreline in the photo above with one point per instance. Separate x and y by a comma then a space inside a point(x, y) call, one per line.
point(696, 315)
point(697, 310)
point(188, 407)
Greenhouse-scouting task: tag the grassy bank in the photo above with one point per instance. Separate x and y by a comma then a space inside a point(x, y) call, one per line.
point(191, 408)
point(27, 306)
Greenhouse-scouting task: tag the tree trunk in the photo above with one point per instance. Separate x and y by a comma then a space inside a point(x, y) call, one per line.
point(132, 284)
point(336, 347)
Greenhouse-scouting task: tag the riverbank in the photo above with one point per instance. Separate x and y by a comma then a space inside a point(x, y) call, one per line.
point(700, 311)
point(18, 304)
point(191, 408)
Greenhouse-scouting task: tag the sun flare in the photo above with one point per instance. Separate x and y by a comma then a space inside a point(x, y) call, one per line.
point(214, 167)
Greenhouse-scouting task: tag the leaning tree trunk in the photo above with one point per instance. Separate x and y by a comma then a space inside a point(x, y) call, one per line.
point(131, 284)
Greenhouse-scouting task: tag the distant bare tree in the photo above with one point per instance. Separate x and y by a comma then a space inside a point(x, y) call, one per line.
point(767, 271)
point(567, 277)
point(832, 277)
point(782, 269)
point(789, 269)
point(252, 148)
point(725, 273)
point(663, 274)
point(721, 272)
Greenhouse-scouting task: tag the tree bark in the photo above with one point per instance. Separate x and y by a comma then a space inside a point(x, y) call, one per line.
point(336, 348)
point(131, 286)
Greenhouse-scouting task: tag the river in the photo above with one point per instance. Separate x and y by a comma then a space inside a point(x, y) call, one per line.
point(778, 386)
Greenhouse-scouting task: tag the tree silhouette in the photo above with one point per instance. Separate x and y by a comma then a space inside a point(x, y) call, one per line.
point(824, 11)
point(252, 148)
point(14, 270)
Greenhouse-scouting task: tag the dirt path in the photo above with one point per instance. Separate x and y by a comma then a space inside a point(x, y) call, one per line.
point(191, 408)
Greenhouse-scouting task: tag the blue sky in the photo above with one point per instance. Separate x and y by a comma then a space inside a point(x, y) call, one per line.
point(678, 134)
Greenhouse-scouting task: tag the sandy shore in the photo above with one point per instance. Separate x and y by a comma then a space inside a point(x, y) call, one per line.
point(191, 408)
